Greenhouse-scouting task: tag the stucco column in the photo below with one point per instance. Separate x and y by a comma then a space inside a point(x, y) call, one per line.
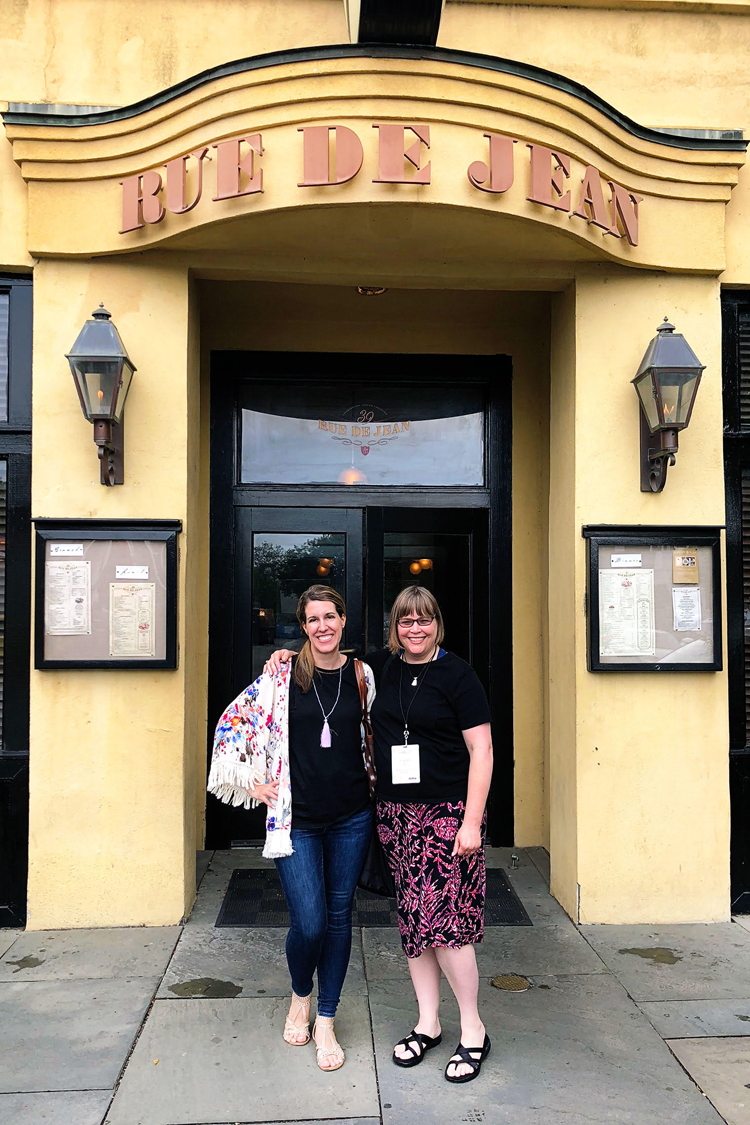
point(638, 780)
point(115, 754)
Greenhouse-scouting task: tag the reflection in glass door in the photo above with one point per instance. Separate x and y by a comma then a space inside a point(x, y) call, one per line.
point(408, 547)
point(442, 564)
point(284, 566)
point(279, 553)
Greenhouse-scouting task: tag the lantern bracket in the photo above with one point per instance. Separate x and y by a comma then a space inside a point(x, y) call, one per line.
point(109, 440)
point(657, 454)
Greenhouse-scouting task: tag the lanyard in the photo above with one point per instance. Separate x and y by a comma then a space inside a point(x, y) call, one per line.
point(405, 717)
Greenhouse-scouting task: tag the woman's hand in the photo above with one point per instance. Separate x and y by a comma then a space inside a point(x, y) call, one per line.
point(468, 840)
point(276, 659)
point(268, 794)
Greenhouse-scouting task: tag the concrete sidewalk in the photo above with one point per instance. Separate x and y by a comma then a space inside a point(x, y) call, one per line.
point(644, 1025)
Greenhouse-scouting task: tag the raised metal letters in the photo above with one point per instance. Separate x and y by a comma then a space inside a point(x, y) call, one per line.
point(624, 213)
point(333, 155)
point(500, 171)
point(545, 179)
point(591, 205)
point(392, 152)
point(177, 182)
point(316, 155)
point(139, 202)
point(230, 167)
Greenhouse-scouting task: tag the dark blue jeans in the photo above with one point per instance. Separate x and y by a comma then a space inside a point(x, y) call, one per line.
point(319, 880)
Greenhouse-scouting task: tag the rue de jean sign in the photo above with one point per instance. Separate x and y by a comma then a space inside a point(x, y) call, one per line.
point(333, 155)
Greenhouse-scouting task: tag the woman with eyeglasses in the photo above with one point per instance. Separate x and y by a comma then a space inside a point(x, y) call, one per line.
point(433, 757)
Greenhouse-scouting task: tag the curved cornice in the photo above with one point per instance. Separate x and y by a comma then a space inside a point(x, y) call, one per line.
point(75, 164)
point(726, 141)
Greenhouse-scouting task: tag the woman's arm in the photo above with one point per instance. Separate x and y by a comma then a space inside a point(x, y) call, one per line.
point(479, 744)
point(277, 658)
point(282, 655)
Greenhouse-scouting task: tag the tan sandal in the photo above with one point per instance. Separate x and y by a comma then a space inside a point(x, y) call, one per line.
point(300, 1006)
point(332, 1049)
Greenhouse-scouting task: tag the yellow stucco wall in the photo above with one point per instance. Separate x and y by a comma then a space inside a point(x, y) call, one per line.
point(638, 775)
point(113, 755)
point(561, 634)
point(118, 51)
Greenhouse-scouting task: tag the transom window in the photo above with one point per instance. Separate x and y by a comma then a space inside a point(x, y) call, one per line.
point(370, 434)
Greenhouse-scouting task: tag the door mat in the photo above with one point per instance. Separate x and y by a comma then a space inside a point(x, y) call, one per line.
point(254, 898)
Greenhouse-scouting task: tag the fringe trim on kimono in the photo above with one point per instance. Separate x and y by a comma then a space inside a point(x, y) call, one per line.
point(251, 747)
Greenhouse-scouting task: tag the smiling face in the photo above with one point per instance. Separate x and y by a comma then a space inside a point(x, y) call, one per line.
point(323, 627)
point(417, 639)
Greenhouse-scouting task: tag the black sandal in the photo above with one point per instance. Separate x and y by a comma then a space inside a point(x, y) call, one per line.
point(468, 1055)
point(423, 1042)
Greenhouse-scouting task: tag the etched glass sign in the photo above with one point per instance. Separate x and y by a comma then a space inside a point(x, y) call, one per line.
point(362, 435)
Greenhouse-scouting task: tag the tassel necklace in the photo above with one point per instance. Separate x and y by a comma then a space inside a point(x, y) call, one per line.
point(325, 734)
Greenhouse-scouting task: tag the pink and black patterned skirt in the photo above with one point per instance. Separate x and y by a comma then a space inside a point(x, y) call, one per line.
point(440, 897)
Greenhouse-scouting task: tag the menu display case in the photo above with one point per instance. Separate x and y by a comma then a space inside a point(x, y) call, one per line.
point(654, 599)
point(106, 594)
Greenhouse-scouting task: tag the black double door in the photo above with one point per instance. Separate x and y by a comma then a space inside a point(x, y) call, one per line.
point(367, 473)
point(368, 554)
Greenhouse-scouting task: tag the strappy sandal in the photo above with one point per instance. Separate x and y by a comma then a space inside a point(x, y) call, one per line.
point(329, 1052)
point(418, 1045)
point(297, 1008)
point(468, 1055)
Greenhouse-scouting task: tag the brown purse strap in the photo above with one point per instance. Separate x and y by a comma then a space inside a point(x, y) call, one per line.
point(362, 685)
point(367, 745)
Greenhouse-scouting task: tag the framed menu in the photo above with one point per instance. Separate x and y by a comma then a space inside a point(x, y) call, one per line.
point(654, 599)
point(106, 594)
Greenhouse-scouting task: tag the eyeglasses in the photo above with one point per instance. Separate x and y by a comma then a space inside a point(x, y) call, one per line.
point(422, 622)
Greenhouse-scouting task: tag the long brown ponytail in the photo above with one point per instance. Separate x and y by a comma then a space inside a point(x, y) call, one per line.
point(304, 665)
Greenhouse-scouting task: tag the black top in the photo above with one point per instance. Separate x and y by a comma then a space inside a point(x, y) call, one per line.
point(449, 700)
point(328, 783)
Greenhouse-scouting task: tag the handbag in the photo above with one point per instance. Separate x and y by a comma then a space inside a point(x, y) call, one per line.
point(375, 876)
point(368, 740)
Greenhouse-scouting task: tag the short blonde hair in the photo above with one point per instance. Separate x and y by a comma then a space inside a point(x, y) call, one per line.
point(422, 603)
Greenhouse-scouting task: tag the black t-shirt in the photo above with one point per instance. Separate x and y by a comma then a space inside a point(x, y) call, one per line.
point(328, 783)
point(448, 700)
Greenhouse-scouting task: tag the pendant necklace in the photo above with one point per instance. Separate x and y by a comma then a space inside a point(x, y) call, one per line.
point(325, 734)
point(416, 682)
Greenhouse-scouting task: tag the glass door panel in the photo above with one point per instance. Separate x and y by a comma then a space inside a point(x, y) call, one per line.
point(285, 564)
point(444, 550)
point(280, 552)
point(442, 564)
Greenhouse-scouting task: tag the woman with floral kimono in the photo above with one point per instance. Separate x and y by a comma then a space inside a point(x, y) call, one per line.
point(293, 740)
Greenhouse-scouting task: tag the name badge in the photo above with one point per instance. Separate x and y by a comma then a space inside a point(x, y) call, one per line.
point(405, 764)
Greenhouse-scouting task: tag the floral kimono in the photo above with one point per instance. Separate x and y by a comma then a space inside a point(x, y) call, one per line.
point(251, 747)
